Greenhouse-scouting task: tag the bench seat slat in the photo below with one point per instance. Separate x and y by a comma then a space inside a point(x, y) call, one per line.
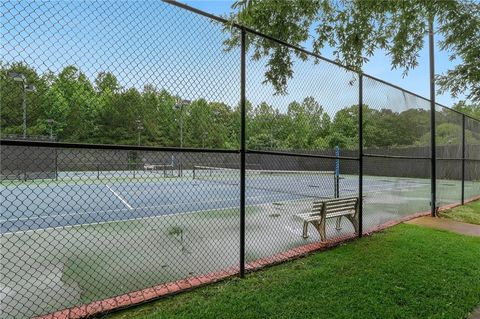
point(335, 210)
point(337, 214)
point(332, 215)
point(310, 217)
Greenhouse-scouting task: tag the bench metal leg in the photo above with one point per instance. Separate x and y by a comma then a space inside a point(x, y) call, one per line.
point(305, 230)
point(339, 220)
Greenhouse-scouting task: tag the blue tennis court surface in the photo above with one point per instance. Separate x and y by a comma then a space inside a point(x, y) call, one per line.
point(86, 200)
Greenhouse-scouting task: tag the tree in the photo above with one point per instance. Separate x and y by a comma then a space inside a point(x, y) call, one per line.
point(262, 127)
point(222, 126)
point(104, 112)
point(119, 118)
point(11, 111)
point(55, 109)
point(198, 120)
point(412, 125)
point(344, 128)
point(107, 82)
point(84, 105)
point(298, 126)
point(356, 29)
point(472, 109)
point(158, 117)
point(319, 121)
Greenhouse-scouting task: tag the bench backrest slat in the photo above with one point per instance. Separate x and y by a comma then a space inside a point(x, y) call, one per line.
point(335, 205)
point(344, 204)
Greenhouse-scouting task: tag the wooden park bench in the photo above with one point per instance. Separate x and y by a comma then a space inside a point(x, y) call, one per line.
point(330, 208)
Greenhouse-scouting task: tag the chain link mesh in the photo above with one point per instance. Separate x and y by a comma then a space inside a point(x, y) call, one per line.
point(472, 158)
point(125, 173)
point(396, 130)
point(448, 138)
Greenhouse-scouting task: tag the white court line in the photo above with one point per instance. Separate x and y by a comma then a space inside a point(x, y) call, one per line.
point(120, 198)
point(138, 208)
point(116, 221)
point(30, 231)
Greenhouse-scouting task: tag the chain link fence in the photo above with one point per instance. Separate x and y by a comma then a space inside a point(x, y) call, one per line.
point(173, 158)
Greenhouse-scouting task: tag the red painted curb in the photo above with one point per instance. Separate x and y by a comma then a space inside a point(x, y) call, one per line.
point(167, 289)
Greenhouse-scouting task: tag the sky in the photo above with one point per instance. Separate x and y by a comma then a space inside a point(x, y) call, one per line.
point(417, 80)
point(151, 42)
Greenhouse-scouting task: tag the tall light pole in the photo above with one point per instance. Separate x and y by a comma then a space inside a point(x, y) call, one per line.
point(20, 77)
point(179, 106)
point(433, 143)
point(50, 122)
point(139, 128)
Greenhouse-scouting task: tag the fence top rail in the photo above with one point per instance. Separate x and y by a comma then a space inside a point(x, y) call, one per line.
point(283, 153)
point(458, 112)
point(301, 49)
point(112, 147)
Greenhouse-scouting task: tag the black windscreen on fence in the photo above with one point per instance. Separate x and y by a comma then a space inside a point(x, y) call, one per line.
point(130, 171)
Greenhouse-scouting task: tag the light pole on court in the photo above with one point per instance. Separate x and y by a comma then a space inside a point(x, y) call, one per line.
point(179, 106)
point(50, 122)
point(139, 129)
point(20, 77)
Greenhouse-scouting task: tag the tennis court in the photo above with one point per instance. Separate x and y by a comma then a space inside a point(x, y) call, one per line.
point(90, 235)
point(80, 198)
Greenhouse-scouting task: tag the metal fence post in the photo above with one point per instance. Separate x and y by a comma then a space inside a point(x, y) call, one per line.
point(433, 160)
point(56, 164)
point(242, 153)
point(463, 159)
point(360, 155)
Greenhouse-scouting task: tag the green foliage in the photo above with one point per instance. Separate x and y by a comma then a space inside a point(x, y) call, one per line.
point(106, 112)
point(357, 29)
point(472, 109)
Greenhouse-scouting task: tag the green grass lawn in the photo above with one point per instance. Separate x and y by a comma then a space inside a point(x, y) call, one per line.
point(469, 213)
point(405, 272)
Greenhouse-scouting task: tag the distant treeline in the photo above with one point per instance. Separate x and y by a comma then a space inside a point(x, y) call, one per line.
point(106, 112)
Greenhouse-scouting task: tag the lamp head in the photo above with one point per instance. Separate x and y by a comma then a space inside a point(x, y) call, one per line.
point(17, 77)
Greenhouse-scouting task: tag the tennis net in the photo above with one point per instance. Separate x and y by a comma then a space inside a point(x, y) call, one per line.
point(322, 184)
point(161, 169)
